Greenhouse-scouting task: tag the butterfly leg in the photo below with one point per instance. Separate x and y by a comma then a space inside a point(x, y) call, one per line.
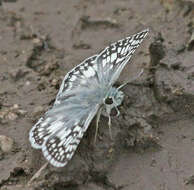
point(109, 126)
point(140, 73)
point(97, 121)
point(118, 112)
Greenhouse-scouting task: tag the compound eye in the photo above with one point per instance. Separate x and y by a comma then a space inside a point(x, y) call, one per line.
point(108, 101)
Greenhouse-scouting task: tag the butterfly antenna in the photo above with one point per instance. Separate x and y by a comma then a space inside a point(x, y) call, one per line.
point(131, 80)
point(97, 121)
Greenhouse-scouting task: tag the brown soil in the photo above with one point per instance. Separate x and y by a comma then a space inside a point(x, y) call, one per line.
point(153, 138)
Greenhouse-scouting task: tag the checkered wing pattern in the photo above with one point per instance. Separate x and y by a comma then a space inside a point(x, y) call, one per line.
point(82, 91)
point(113, 58)
point(60, 130)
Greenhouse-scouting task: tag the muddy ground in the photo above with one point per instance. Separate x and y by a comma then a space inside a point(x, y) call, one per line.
point(153, 138)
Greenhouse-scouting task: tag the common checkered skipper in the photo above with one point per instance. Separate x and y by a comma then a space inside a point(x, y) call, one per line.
point(84, 92)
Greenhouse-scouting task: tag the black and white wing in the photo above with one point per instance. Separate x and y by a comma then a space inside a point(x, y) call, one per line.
point(113, 58)
point(82, 91)
point(60, 130)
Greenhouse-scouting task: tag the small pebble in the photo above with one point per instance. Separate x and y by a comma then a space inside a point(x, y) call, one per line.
point(27, 83)
point(12, 116)
point(54, 82)
point(36, 40)
point(6, 144)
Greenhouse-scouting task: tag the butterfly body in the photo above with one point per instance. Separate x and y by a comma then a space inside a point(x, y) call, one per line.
point(84, 92)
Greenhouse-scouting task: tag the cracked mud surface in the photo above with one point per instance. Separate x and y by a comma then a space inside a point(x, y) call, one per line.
point(153, 138)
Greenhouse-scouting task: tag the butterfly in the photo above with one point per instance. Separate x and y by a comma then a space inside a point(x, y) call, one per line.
point(85, 91)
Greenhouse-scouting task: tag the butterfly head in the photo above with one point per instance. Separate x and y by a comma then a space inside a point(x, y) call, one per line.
point(113, 99)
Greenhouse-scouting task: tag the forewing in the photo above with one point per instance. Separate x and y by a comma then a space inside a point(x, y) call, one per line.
point(60, 130)
point(112, 59)
point(78, 92)
point(82, 77)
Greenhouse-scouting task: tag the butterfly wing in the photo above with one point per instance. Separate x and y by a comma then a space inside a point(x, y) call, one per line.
point(113, 59)
point(82, 91)
point(60, 146)
point(60, 130)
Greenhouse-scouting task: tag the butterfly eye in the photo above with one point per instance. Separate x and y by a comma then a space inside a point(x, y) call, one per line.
point(108, 101)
